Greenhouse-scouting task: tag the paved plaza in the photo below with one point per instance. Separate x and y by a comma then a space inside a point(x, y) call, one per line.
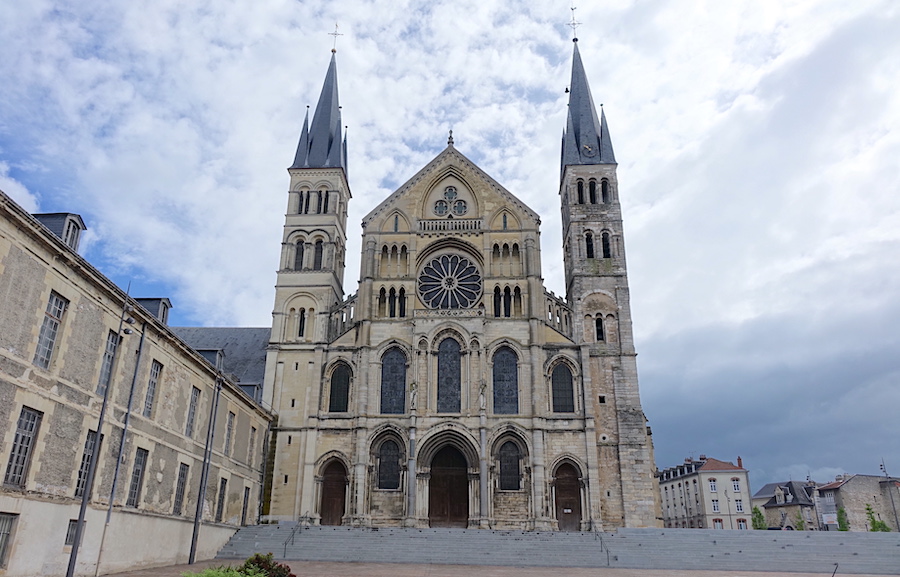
point(323, 569)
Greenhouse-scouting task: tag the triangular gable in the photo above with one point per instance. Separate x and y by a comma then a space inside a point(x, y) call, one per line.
point(429, 170)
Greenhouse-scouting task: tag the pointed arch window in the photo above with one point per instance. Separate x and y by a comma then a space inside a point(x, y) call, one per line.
point(382, 302)
point(563, 393)
point(504, 221)
point(599, 330)
point(389, 465)
point(580, 192)
point(339, 397)
point(592, 191)
point(589, 244)
point(401, 302)
point(317, 255)
point(507, 301)
point(607, 253)
point(506, 382)
point(396, 223)
point(604, 191)
point(449, 374)
point(393, 382)
point(497, 301)
point(392, 303)
point(298, 255)
point(510, 467)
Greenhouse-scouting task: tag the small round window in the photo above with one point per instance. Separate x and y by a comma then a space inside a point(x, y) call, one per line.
point(460, 208)
point(441, 208)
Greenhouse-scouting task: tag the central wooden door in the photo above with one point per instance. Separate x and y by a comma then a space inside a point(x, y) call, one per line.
point(448, 490)
point(334, 493)
point(568, 498)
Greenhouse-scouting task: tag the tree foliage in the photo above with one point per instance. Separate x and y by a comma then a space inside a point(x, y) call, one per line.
point(843, 521)
point(876, 524)
point(758, 520)
point(799, 523)
point(258, 565)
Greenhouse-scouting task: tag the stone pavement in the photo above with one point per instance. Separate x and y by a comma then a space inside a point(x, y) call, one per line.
point(323, 569)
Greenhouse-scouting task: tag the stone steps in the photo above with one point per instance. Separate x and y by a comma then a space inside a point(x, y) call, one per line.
point(685, 549)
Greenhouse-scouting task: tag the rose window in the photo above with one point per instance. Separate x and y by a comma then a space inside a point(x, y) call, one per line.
point(450, 282)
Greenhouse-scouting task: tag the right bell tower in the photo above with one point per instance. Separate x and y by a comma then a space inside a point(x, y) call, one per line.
point(597, 291)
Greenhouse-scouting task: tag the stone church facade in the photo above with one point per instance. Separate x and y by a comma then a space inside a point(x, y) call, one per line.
point(453, 389)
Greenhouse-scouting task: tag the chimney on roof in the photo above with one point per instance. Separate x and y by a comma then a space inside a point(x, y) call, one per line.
point(687, 459)
point(702, 457)
point(838, 478)
point(740, 463)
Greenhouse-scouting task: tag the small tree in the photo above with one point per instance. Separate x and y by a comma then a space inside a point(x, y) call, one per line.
point(843, 521)
point(758, 520)
point(799, 523)
point(875, 524)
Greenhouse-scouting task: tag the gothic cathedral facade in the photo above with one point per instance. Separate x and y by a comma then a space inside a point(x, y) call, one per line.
point(453, 389)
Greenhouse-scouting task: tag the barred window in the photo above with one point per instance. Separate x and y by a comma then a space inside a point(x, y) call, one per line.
point(109, 355)
point(563, 395)
point(339, 399)
point(23, 443)
point(192, 412)
point(180, 487)
point(49, 330)
point(389, 465)
point(229, 433)
point(155, 371)
point(137, 478)
point(220, 504)
point(87, 456)
point(7, 522)
point(510, 467)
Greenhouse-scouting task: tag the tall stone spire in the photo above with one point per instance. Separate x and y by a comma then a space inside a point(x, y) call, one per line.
point(586, 138)
point(321, 145)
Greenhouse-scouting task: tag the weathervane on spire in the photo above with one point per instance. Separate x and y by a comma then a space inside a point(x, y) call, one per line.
point(574, 24)
point(335, 34)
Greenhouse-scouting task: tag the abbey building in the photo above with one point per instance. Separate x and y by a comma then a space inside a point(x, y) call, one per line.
point(452, 389)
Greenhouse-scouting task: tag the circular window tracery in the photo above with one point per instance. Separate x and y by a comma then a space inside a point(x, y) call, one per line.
point(450, 281)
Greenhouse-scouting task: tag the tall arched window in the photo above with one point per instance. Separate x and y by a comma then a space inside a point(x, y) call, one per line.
point(306, 204)
point(504, 221)
point(589, 244)
point(298, 255)
point(563, 393)
point(393, 382)
point(605, 240)
point(339, 398)
point(401, 302)
point(301, 323)
point(448, 385)
point(604, 191)
point(392, 303)
point(382, 302)
point(510, 467)
point(319, 202)
point(302, 194)
point(592, 191)
point(396, 223)
point(317, 255)
point(497, 301)
point(506, 382)
point(389, 465)
point(599, 331)
point(507, 301)
point(580, 192)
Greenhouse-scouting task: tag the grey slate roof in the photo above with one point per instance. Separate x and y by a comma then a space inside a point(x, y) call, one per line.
point(802, 494)
point(320, 144)
point(244, 348)
point(586, 138)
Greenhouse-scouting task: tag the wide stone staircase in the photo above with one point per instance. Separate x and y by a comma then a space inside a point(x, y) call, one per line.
point(684, 549)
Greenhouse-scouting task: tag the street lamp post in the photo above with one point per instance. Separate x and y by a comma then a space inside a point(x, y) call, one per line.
point(207, 455)
point(891, 493)
point(92, 468)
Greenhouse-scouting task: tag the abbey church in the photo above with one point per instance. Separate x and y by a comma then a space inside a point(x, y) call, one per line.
point(452, 389)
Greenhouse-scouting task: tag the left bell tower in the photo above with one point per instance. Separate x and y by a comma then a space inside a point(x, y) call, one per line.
point(311, 273)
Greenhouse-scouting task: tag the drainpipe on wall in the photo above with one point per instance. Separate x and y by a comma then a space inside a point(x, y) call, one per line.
point(207, 455)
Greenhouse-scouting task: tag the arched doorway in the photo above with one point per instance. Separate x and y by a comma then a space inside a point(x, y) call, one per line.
point(334, 493)
point(448, 489)
point(568, 498)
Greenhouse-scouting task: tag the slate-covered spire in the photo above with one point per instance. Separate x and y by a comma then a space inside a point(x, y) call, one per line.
point(586, 138)
point(320, 144)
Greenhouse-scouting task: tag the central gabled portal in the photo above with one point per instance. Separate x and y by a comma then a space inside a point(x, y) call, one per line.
point(448, 490)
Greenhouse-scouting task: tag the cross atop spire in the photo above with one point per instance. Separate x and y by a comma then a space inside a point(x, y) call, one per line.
point(335, 34)
point(586, 138)
point(320, 143)
point(574, 24)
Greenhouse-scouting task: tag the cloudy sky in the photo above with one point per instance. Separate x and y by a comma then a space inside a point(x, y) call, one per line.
point(757, 140)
